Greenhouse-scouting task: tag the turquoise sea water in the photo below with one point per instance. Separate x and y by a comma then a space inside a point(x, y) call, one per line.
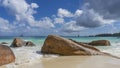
point(40, 40)
point(32, 54)
point(36, 40)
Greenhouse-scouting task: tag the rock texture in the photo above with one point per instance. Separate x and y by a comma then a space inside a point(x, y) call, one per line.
point(4, 43)
point(85, 45)
point(29, 43)
point(100, 43)
point(17, 42)
point(58, 45)
point(6, 55)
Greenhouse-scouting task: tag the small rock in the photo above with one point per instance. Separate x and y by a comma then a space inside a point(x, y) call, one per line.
point(4, 43)
point(100, 43)
point(29, 43)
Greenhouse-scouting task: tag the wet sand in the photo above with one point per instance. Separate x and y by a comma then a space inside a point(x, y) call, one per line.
point(70, 62)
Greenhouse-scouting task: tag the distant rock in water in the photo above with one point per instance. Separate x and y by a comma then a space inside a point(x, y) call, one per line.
point(29, 43)
point(4, 43)
point(6, 55)
point(17, 42)
point(85, 45)
point(62, 46)
point(100, 43)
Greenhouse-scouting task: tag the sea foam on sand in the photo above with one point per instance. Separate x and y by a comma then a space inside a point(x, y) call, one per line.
point(73, 62)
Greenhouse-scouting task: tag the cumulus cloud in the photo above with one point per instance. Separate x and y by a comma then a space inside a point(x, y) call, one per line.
point(64, 13)
point(94, 13)
point(34, 5)
point(20, 9)
point(5, 25)
point(24, 17)
point(70, 27)
point(91, 19)
point(58, 20)
point(98, 13)
point(24, 13)
point(45, 22)
point(78, 12)
point(108, 8)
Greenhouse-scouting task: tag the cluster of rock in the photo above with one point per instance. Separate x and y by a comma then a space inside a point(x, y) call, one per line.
point(7, 55)
point(17, 42)
point(62, 46)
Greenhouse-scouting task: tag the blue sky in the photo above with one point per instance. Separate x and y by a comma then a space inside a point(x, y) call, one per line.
point(61, 17)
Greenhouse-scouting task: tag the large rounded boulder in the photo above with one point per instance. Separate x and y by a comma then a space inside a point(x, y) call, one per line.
point(6, 55)
point(62, 46)
point(17, 42)
point(100, 43)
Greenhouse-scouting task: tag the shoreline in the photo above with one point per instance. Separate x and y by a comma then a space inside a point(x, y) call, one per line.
point(70, 62)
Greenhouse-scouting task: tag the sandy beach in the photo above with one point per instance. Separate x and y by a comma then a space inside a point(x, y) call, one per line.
point(71, 62)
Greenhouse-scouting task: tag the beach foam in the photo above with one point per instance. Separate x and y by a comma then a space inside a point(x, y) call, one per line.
point(73, 62)
point(114, 49)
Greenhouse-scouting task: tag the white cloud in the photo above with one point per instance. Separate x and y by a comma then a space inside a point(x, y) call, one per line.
point(70, 27)
point(16, 6)
point(24, 13)
point(78, 12)
point(91, 15)
point(99, 13)
point(64, 13)
point(45, 22)
point(59, 20)
point(24, 21)
point(5, 26)
point(109, 9)
point(91, 19)
point(34, 5)
point(84, 19)
point(20, 9)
